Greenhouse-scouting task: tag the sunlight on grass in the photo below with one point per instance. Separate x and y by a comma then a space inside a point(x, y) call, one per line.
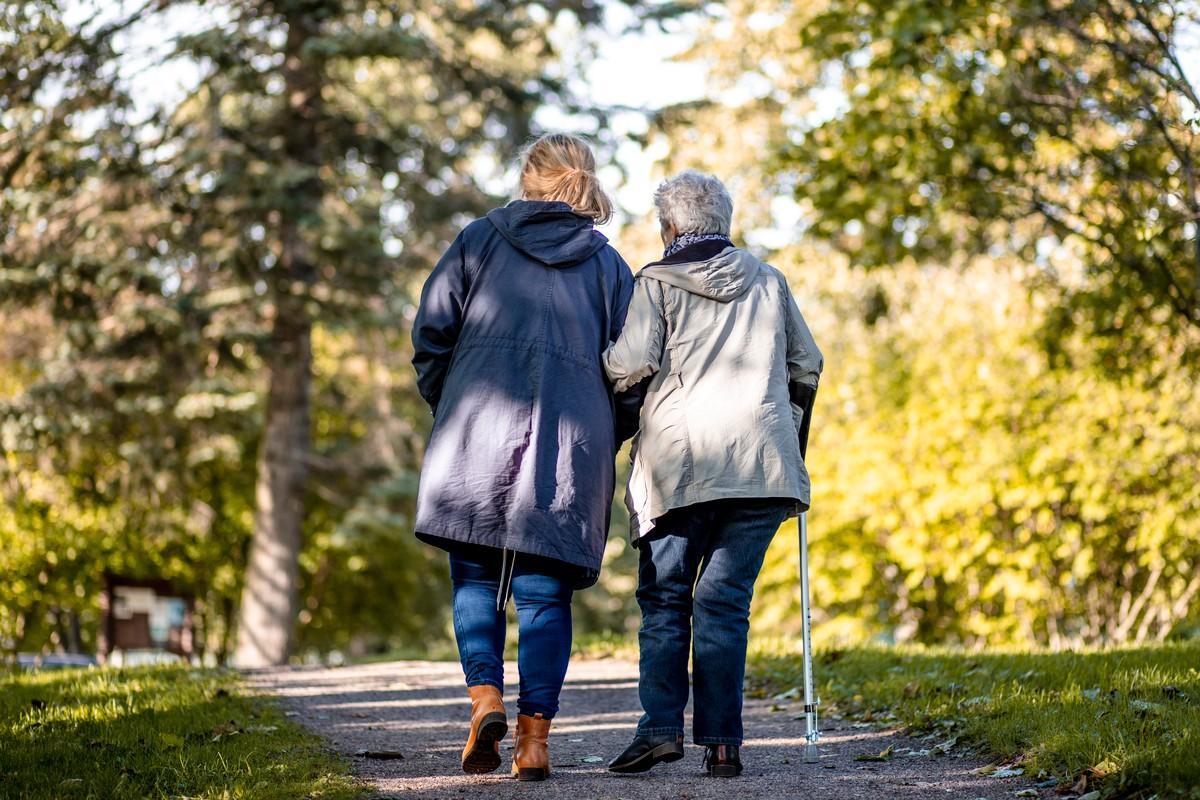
point(155, 732)
point(1128, 719)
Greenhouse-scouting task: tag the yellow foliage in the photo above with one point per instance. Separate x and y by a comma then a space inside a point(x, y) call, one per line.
point(967, 491)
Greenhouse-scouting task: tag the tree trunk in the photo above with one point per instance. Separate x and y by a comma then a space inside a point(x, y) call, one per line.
point(270, 596)
point(268, 611)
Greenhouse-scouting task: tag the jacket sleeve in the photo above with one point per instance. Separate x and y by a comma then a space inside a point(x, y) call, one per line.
point(804, 360)
point(627, 404)
point(637, 354)
point(439, 321)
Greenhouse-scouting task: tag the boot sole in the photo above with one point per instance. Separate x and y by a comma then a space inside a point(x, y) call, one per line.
point(663, 754)
point(484, 756)
point(532, 774)
point(724, 771)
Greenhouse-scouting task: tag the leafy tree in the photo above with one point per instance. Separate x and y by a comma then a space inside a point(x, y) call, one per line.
point(1040, 127)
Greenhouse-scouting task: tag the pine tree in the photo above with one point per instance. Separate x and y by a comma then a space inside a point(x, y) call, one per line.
point(320, 163)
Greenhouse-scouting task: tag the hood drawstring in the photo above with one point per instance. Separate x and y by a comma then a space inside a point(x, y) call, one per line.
point(504, 591)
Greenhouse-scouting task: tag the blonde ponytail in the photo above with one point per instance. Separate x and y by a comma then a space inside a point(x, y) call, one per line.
point(560, 166)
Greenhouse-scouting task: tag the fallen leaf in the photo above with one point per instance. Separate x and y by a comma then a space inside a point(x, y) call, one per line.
point(1026, 793)
point(946, 746)
point(380, 755)
point(226, 729)
point(1007, 772)
point(884, 755)
point(1080, 785)
point(1093, 795)
point(912, 689)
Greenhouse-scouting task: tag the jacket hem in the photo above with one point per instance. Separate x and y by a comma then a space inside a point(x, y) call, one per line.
point(643, 523)
point(441, 537)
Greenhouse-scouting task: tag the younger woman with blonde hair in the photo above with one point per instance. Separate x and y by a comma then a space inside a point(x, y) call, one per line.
point(518, 475)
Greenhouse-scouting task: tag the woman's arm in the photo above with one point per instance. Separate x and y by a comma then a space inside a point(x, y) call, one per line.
point(637, 354)
point(804, 360)
point(627, 405)
point(439, 321)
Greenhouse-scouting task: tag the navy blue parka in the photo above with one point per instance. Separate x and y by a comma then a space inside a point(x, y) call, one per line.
point(507, 346)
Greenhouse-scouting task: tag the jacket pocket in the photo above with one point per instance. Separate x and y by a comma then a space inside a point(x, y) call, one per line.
point(797, 417)
point(679, 411)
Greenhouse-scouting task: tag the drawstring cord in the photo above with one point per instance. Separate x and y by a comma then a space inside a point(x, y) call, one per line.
point(504, 590)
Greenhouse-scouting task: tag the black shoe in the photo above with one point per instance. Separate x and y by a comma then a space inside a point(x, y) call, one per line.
point(722, 761)
point(646, 751)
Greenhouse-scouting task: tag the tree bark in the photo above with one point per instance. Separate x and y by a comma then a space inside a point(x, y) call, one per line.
point(270, 595)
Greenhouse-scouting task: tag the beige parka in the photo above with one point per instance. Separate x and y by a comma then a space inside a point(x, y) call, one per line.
point(720, 341)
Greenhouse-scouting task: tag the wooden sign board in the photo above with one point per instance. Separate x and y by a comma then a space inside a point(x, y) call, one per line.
point(141, 615)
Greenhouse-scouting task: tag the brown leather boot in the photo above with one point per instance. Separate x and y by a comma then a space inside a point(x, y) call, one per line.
point(531, 753)
point(489, 723)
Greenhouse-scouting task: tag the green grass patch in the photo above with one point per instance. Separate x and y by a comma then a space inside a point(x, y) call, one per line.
point(605, 645)
point(1128, 719)
point(156, 732)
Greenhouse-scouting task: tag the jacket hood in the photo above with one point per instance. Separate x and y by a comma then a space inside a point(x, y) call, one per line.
point(549, 232)
point(724, 277)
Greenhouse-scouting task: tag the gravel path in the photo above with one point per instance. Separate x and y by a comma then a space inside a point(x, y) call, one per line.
point(419, 708)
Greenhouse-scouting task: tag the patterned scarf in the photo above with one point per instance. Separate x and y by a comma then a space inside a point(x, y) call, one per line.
point(685, 239)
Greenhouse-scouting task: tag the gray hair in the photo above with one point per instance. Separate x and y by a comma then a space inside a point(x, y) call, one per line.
point(694, 203)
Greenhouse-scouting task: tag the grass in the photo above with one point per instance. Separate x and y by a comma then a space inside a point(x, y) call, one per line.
point(156, 732)
point(1126, 719)
point(605, 645)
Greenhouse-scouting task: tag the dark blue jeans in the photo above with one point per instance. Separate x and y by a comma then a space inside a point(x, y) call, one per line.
point(725, 542)
point(542, 595)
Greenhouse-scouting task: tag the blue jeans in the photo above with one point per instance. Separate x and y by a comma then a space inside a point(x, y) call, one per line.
point(725, 542)
point(542, 595)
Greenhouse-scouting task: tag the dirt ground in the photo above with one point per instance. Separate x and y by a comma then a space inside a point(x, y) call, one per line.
point(419, 708)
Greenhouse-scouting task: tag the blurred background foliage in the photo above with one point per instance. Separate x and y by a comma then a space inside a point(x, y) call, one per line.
point(987, 211)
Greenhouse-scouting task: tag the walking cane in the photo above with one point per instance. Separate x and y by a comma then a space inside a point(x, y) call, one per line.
point(805, 397)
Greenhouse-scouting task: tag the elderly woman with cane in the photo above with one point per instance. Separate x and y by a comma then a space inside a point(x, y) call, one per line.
point(727, 363)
